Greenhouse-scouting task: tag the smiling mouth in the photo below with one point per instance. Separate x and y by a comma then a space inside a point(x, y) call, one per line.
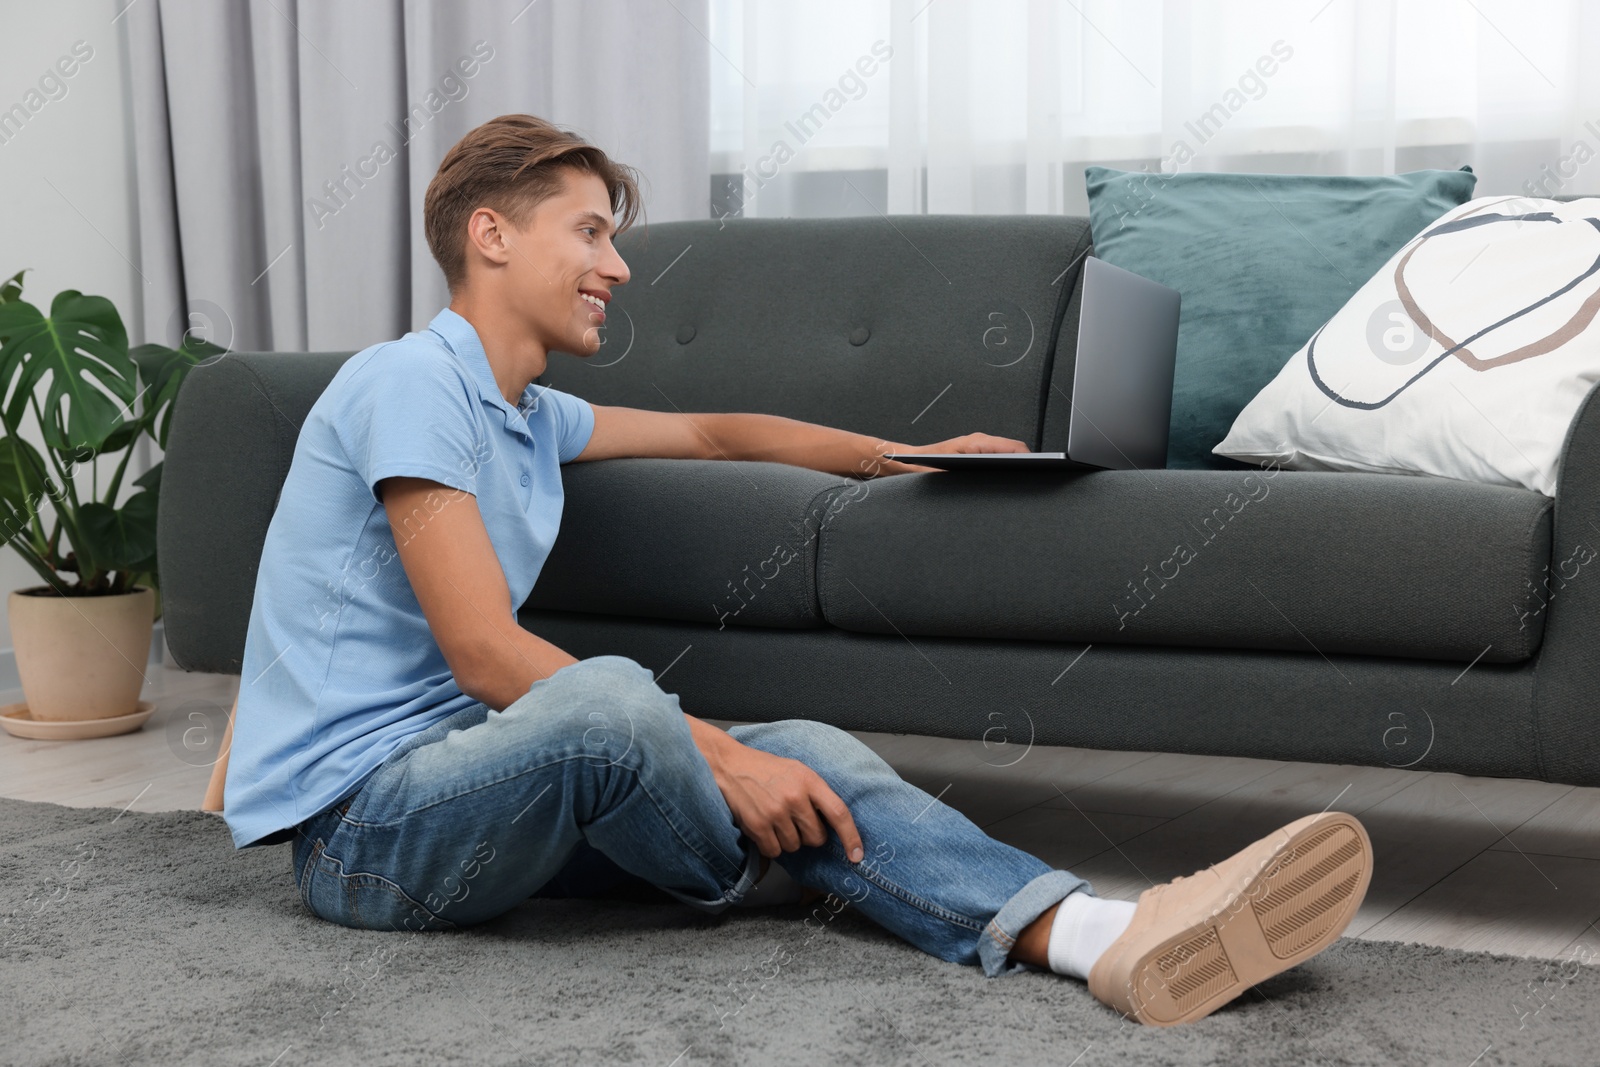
point(594, 305)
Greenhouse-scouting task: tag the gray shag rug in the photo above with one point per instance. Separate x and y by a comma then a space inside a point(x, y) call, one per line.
point(144, 938)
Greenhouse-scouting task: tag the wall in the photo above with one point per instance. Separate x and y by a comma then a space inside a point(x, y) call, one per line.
point(67, 207)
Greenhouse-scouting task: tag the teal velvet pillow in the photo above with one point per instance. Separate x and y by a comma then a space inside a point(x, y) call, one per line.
point(1262, 260)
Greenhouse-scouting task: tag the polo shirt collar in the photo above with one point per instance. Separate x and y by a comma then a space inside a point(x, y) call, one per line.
point(462, 341)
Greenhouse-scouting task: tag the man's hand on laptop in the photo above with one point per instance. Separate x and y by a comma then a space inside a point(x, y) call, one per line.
point(972, 442)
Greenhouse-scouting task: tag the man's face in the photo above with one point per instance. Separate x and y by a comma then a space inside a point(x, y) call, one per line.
point(561, 258)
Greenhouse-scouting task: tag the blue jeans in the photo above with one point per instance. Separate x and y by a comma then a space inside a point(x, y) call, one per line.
point(592, 778)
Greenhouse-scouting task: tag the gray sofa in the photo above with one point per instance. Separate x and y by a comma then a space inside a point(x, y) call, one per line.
point(1352, 618)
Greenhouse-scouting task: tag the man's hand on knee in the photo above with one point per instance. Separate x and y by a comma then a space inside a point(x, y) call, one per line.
point(779, 803)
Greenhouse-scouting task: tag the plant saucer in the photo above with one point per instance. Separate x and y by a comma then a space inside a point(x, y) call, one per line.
point(19, 722)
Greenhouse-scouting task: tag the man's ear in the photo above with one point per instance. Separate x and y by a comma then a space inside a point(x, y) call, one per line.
point(488, 235)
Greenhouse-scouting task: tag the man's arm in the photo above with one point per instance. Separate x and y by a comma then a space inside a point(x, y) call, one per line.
point(459, 584)
point(462, 590)
point(622, 431)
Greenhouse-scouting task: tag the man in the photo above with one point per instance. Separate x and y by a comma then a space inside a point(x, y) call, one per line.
point(436, 764)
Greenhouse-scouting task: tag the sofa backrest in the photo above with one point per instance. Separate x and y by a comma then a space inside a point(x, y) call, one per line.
point(915, 329)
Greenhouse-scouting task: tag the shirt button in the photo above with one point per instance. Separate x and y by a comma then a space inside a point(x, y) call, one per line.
point(524, 479)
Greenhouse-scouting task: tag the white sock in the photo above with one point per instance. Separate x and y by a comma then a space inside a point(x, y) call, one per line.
point(775, 887)
point(1083, 929)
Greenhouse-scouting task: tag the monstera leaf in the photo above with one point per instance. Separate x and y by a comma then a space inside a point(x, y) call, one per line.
point(120, 439)
point(161, 374)
point(99, 399)
point(83, 348)
point(123, 539)
point(150, 482)
point(23, 478)
point(150, 479)
point(24, 485)
point(118, 539)
point(145, 572)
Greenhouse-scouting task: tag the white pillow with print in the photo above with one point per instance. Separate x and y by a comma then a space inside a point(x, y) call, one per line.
point(1465, 357)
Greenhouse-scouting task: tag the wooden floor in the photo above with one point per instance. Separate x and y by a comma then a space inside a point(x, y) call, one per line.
point(1501, 865)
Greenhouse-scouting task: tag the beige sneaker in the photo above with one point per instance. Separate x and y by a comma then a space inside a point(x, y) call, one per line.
point(1197, 942)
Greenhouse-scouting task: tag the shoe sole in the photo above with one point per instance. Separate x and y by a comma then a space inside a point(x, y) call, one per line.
point(1302, 898)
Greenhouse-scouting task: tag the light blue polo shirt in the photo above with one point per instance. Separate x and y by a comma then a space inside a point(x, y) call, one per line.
point(339, 664)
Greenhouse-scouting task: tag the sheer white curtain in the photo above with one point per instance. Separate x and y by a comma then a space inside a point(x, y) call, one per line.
point(995, 106)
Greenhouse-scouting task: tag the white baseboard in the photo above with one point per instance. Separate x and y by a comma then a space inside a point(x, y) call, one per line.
point(159, 657)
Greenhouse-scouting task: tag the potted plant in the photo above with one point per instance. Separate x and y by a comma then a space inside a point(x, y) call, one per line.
point(82, 638)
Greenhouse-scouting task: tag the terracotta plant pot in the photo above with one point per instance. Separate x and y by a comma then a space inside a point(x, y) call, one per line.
point(81, 657)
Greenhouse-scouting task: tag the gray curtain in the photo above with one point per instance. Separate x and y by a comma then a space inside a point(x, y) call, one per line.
point(283, 147)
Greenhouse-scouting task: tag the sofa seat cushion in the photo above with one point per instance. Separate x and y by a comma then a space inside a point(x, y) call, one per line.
point(1333, 562)
point(724, 542)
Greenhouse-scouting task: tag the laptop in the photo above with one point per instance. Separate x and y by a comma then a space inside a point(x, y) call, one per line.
point(1121, 382)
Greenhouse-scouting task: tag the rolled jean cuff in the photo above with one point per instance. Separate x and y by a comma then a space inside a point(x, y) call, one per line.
point(747, 881)
point(999, 937)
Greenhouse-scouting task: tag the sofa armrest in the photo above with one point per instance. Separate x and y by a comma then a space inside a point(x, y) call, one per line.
point(235, 423)
point(1566, 685)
